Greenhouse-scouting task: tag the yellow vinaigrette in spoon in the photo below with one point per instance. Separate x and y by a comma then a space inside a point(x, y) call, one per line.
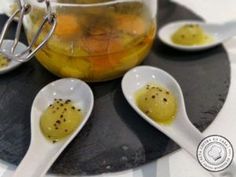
point(60, 119)
point(190, 35)
point(157, 102)
point(3, 61)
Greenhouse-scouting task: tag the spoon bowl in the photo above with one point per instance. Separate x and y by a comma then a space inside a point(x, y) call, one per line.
point(219, 33)
point(139, 77)
point(42, 152)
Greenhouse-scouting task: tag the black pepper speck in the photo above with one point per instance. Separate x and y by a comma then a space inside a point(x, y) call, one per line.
point(58, 121)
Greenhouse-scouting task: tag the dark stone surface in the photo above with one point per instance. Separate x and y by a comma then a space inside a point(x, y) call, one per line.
point(116, 138)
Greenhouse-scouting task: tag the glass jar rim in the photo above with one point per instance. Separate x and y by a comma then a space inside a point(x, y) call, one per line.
point(111, 2)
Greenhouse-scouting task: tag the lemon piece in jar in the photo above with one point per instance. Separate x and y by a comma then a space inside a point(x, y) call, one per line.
point(62, 65)
point(75, 67)
point(60, 119)
point(67, 26)
point(131, 24)
point(190, 35)
point(157, 102)
point(71, 48)
point(66, 38)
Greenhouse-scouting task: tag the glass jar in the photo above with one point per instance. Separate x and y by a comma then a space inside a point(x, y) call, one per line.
point(94, 40)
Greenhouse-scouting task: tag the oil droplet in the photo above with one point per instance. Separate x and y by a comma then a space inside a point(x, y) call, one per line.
point(124, 158)
point(125, 147)
point(108, 167)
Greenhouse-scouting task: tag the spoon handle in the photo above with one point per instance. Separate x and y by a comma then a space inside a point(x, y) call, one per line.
point(190, 136)
point(228, 29)
point(35, 163)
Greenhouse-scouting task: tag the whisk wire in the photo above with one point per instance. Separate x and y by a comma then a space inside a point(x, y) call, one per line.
point(7, 25)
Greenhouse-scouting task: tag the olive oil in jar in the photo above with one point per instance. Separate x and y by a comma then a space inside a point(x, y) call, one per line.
point(92, 45)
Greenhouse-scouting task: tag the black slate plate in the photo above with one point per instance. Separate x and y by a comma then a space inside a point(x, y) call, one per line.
point(116, 138)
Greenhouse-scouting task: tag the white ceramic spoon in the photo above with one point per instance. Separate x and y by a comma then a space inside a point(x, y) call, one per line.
point(6, 46)
point(181, 130)
point(220, 33)
point(42, 153)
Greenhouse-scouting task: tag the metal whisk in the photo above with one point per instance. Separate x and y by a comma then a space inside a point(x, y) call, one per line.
point(28, 52)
